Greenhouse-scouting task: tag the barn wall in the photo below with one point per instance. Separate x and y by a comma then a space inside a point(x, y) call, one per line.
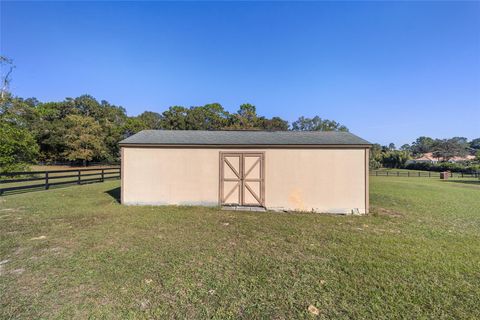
point(321, 180)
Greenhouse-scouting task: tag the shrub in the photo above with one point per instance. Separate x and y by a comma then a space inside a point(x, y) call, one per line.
point(18, 148)
point(444, 166)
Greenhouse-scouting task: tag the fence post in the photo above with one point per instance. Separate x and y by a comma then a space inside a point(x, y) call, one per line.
point(419, 173)
point(387, 173)
point(46, 181)
point(376, 173)
point(408, 173)
point(398, 173)
point(79, 178)
point(102, 176)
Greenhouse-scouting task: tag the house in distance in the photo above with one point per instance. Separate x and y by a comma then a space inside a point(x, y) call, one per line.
point(282, 170)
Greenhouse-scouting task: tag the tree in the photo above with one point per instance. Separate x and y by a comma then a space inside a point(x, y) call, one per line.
point(112, 120)
point(151, 120)
point(50, 128)
point(317, 124)
point(175, 118)
point(6, 67)
point(50, 137)
point(133, 125)
point(394, 158)
point(405, 147)
point(460, 140)
point(18, 111)
point(274, 124)
point(391, 146)
point(245, 118)
point(88, 106)
point(475, 144)
point(422, 145)
point(375, 156)
point(50, 111)
point(448, 148)
point(17, 148)
point(208, 117)
point(84, 139)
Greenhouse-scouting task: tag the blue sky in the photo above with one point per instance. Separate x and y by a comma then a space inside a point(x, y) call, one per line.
point(389, 71)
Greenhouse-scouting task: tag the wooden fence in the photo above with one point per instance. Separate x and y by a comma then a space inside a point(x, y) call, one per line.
point(424, 174)
point(14, 181)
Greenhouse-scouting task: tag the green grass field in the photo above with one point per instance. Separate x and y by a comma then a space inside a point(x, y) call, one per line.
point(76, 252)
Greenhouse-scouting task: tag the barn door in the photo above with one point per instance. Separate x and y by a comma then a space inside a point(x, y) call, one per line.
point(242, 179)
point(230, 178)
point(252, 179)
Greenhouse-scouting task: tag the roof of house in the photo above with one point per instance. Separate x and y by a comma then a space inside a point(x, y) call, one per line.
point(427, 157)
point(430, 157)
point(257, 138)
point(467, 157)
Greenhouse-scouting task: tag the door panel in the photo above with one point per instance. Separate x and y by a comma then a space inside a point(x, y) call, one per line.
point(252, 167)
point(242, 178)
point(232, 167)
point(252, 193)
point(230, 178)
point(232, 192)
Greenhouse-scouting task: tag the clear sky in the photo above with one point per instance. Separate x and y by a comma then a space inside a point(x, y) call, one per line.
point(389, 71)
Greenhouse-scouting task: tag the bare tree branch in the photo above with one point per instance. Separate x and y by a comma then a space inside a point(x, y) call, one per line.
point(5, 63)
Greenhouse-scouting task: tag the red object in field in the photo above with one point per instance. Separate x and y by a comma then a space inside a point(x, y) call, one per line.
point(444, 175)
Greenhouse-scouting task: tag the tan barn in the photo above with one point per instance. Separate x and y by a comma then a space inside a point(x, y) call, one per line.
point(284, 170)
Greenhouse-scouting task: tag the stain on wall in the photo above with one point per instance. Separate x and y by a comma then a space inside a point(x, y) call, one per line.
point(295, 198)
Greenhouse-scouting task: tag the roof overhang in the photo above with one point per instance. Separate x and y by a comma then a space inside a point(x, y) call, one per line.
point(249, 146)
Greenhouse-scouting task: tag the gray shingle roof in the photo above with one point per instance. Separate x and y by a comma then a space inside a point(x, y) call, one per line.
point(257, 138)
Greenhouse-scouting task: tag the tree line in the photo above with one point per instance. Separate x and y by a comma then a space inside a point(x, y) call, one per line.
point(442, 149)
point(83, 129)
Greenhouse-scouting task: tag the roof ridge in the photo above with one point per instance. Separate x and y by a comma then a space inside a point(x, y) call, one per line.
point(248, 130)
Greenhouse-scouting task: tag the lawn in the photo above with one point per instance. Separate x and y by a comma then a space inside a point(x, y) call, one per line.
point(76, 252)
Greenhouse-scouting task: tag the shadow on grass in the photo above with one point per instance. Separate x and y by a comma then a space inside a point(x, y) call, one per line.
point(56, 186)
point(470, 182)
point(114, 193)
point(28, 190)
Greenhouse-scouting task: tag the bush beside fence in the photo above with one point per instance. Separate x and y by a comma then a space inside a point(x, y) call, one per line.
point(444, 166)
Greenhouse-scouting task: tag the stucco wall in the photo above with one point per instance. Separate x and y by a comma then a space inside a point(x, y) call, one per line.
point(321, 180)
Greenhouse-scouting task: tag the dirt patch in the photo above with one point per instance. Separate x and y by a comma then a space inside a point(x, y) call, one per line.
point(379, 211)
point(313, 310)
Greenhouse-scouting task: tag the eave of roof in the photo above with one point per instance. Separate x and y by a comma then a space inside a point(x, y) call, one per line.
point(248, 146)
point(165, 138)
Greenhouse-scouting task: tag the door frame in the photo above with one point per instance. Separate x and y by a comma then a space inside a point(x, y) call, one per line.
point(242, 154)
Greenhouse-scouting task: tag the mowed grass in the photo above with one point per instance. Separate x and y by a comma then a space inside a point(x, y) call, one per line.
point(77, 253)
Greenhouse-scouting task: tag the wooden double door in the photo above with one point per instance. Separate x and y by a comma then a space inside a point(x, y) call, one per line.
point(242, 178)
